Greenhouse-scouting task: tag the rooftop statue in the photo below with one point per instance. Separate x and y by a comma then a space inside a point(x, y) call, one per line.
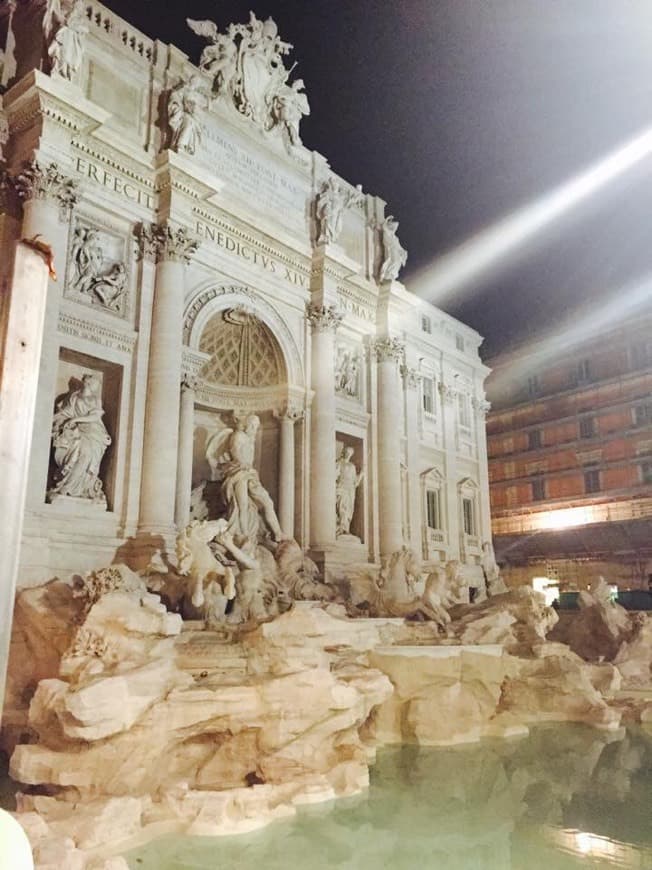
point(394, 254)
point(64, 27)
point(246, 65)
point(330, 203)
point(184, 100)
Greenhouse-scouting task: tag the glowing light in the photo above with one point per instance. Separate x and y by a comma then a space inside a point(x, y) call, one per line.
point(566, 518)
point(484, 250)
point(15, 851)
point(548, 588)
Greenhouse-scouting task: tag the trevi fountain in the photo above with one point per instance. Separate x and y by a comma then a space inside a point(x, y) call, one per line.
point(246, 473)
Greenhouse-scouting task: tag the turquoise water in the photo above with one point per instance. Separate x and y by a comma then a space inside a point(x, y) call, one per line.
point(565, 797)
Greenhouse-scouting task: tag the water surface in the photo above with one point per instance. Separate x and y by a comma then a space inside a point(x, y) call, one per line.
point(565, 797)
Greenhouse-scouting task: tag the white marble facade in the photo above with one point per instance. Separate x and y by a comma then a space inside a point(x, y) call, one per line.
point(212, 269)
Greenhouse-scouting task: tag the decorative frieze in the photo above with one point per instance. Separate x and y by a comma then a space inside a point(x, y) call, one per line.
point(324, 318)
point(389, 349)
point(96, 332)
point(46, 182)
point(160, 242)
point(347, 372)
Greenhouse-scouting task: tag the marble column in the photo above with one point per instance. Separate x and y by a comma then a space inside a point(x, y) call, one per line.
point(389, 353)
point(185, 456)
point(412, 398)
point(324, 321)
point(286, 485)
point(172, 250)
point(24, 316)
point(48, 198)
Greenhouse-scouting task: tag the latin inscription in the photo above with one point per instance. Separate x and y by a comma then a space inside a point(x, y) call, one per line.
point(114, 182)
point(94, 332)
point(250, 254)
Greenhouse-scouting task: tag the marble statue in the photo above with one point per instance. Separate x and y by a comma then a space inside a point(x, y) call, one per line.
point(184, 101)
point(4, 132)
point(347, 367)
point(230, 454)
point(80, 440)
point(219, 58)
point(493, 581)
point(394, 254)
point(288, 106)
point(330, 203)
point(347, 480)
point(246, 65)
point(196, 560)
point(392, 590)
point(65, 48)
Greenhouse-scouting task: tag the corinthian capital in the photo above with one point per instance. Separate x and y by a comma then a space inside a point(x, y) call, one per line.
point(160, 242)
point(411, 377)
point(324, 317)
point(389, 349)
point(46, 182)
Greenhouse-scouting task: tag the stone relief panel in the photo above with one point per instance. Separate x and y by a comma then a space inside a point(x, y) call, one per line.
point(348, 372)
point(97, 272)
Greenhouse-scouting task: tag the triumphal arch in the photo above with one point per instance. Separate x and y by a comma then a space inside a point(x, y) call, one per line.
point(228, 335)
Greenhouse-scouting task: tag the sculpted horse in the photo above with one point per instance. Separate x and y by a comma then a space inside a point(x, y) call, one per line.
point(196, 560)
point(392, 589)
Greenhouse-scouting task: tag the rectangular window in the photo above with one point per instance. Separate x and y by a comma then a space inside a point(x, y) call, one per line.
point(426, 324)
point(463, 411)
point(533, 386)
point(468, 514)
point(583, 371)
point(646, 472)
point(639, 355)
point(428, 395)
point(433, 508)
point(538, 489)
point(643, 415)
point(459, 343)
point(587, 427)
point(592, 480)
point(534, 439)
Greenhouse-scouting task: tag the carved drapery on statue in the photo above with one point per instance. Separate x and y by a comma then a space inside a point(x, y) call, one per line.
point(249, 507)
point(65, 27)
point(393, 254)
point(246, 65)
point(80, 440)
point(347, 480)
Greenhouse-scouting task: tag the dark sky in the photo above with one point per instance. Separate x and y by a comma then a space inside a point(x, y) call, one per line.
point(458, 112)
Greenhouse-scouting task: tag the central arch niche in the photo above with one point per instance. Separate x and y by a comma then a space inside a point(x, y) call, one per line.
point(243, 351)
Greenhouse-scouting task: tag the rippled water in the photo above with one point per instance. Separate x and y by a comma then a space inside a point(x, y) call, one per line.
point(565, 797)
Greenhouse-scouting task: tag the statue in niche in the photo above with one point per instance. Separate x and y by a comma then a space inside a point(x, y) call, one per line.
point(230, 454)
point(347, 480)
point(288, 106)
point(65, 33)
point(90, 274)
point(184, 101)
point(330, 204)
point(346, 373)
point(80, 440)
point(394, 254)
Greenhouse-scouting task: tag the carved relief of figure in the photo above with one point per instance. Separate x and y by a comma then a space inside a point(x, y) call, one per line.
point(88, 258)
point(230, 454)
point(184, 101)
point(394, 254)
point(80, 439)
point(346, 373)
point(66, 45)
point(288, 106)
point(110, 287)
point(347, 480)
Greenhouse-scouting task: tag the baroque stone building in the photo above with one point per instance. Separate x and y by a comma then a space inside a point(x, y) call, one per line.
point(213, 269)
point(570, 460)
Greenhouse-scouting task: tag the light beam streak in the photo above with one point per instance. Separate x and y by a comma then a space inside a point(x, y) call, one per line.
point(486, 249)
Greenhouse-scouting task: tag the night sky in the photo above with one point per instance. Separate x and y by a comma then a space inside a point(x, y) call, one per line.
point(458, 112)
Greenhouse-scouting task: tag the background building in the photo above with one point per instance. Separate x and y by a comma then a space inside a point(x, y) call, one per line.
point(570, 459)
